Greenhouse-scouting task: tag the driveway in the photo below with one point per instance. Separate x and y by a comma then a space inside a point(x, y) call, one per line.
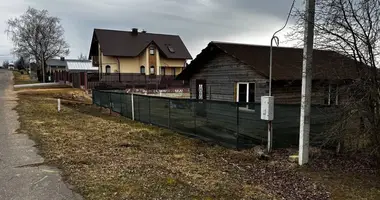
point(23, 176)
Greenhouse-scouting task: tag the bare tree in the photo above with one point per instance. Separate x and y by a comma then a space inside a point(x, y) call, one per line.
point(5, 64)
point(352, 28)
point(38, 34)
point(20, 63)
point(82, 57)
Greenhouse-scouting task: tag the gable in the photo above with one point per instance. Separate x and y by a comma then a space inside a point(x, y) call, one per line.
point(225, 68)
point(213, 56)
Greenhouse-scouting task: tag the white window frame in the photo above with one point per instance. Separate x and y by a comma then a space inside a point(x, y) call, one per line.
point(238, 86)
point(200, 93)
point(152, 70)
point(336, 95)
point(151, 50)
point(247, 97)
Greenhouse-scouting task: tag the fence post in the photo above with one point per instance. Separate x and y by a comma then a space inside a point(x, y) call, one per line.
point(93, 96)
point(121, 105)
point(149, 110)
point(133, 108)
point(110, 100)
point(195, 116)
point(237, 125)
point(169, 113)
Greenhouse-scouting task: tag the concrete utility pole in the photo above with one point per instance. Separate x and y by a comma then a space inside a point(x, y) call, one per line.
point(303, 156)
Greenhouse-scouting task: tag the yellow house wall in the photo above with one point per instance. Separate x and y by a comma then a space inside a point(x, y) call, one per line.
point(172, 62)
point(132, 65)
point(168, 71)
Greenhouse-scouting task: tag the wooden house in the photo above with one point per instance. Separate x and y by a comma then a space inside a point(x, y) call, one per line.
point(240, 73)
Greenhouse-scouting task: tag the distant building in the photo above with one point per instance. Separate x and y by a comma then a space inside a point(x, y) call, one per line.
point(138, 52)
point(11, 66)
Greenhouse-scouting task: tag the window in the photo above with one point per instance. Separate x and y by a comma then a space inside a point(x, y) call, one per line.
point(151, 50)
point(108, 69)
point(171, 49)
point(152, 70)
point(142, 69)
point(245, 95)
point(200, 89)
point(331, 97)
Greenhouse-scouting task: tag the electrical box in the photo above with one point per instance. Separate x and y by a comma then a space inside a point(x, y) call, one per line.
point(267, 108)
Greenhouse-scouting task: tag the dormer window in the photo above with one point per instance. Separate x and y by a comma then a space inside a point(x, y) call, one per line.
point(171, 49)
point(151, 50)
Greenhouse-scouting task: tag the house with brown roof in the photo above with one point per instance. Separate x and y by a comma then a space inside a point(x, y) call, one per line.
point(240, 72)
point(138, 52)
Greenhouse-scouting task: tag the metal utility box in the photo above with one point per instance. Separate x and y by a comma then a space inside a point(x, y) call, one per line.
point(267, 108)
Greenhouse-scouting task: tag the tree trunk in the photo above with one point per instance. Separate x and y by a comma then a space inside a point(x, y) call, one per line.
point(43, 69)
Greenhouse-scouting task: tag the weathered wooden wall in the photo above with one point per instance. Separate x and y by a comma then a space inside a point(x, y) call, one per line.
point(286, 94)
point(222, 73)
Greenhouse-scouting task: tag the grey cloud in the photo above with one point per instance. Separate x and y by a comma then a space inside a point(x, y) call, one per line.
point(197, 21)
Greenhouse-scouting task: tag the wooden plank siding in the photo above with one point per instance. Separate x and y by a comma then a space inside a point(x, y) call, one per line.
point(222, 73)
point(292, 95)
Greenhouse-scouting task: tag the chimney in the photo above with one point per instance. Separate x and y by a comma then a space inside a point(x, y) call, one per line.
point(135, 31)
point(62, 58)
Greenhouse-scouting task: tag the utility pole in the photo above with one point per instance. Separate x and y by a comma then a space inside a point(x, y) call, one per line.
point(303, 156)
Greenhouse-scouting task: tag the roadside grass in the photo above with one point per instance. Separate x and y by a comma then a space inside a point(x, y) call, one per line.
point(22, 78)
point(105, 156)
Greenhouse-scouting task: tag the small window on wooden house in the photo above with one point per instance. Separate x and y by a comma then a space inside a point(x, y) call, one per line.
point(152, 70)
point(151, 50)
point(245, 95)
point(142, 69)
point(331, 97)
point(108, 69)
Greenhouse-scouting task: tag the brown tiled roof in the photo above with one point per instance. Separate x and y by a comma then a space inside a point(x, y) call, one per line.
point(287, 62)
point(126, 44)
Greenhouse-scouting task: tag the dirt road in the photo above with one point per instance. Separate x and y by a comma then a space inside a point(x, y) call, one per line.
point(23, 176)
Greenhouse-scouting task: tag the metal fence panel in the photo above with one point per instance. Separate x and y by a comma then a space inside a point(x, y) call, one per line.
point(217, 121)
point(115, 102)
point(181, 116)
point(252, 129)
point(227, 123)
point(142, 108)
point(159, 111)
point(126, 105)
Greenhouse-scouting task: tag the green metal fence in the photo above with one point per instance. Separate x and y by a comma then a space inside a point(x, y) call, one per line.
point(229, 124)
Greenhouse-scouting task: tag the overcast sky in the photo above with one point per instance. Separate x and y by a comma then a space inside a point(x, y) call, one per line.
point(197, 22)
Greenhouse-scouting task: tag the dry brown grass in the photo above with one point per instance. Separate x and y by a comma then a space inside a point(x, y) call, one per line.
point(19, 78)
point(110, 157)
